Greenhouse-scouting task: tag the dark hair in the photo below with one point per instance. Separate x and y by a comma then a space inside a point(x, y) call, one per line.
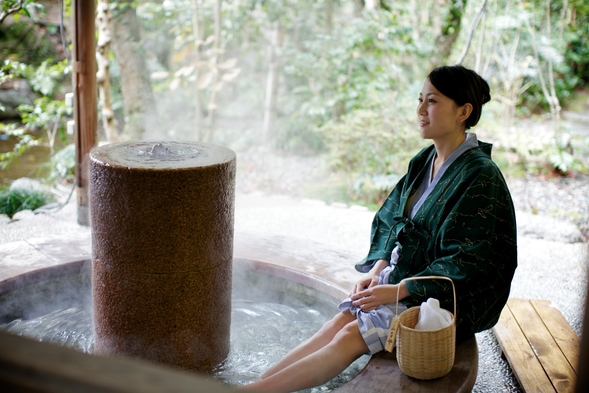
point(463, 86)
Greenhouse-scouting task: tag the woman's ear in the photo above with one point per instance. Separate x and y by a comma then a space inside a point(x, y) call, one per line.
point(464, 112)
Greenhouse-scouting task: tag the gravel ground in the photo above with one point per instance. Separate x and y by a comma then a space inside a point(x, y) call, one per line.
point(564, 198)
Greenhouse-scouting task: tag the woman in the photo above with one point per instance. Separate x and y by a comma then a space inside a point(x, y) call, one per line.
point(451, 215)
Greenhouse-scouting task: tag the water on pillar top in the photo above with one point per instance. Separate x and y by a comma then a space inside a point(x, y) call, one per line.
point(162, 155)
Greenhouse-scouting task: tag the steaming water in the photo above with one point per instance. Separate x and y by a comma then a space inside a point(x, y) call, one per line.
point(71, 327)
point(161, 155)
point(261, 333)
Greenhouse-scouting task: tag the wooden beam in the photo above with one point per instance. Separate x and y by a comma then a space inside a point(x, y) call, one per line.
point(85, 97)
point(28, 366)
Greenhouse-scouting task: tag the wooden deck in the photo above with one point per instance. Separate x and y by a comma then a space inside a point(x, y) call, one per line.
point(539, 344)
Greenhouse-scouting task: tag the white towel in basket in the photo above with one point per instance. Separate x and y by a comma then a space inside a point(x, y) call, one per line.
point(432, 317)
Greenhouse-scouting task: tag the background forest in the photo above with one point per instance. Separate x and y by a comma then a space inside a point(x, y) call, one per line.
point(333, 83)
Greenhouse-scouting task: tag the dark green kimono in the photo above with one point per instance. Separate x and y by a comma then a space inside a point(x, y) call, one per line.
point(465, 230)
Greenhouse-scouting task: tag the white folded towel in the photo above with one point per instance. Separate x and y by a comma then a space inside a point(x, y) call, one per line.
point(432, 317)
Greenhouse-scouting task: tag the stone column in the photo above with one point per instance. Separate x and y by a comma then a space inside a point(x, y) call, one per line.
point(162, 248)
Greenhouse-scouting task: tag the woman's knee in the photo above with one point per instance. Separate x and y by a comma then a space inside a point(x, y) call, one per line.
point(335, 324)
point(350, 336)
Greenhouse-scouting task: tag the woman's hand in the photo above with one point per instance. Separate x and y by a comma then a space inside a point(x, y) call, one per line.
point(366, 282)
point(372, 297)
point(371, 278)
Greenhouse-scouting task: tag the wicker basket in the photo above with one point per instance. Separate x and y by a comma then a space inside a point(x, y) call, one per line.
point(425, 354)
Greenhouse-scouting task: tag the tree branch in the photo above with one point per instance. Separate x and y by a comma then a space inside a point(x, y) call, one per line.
point(474, 26)
point(7, 8)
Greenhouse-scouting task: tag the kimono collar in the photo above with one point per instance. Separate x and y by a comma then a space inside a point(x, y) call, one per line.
point(426, 187)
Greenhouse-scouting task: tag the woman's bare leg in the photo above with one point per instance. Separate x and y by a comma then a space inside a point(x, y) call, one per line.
point(313, 344)
point(317, 367)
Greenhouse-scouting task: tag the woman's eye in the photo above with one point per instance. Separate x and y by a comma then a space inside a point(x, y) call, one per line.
point(431, 101)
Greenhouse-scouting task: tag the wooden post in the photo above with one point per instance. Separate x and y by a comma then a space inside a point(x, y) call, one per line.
point(583, 373)
point(85, 97)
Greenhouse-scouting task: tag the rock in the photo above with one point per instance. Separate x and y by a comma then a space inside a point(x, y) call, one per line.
point(13, 94)
point(28, 185)
point(548, 228)
point(23, 215)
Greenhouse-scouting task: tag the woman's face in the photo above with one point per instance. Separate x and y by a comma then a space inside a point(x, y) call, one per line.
point(439, 116)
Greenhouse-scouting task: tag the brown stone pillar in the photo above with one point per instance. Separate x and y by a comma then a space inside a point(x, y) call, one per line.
point(162, 249)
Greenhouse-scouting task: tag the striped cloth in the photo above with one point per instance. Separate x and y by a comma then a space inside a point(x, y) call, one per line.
point(374, 325)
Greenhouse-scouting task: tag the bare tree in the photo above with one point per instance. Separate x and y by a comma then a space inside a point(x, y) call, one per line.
point(450, 30)
point(215, 83)
point(548, 87)
point(328, 16)
point(473, 27)
point(109, 122)
point(138, 99)
point(8, 7)
point(272, 82)
point(198, 41)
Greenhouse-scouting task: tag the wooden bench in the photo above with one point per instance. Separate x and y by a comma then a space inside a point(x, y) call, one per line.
point(382, 374)
point(540, 346)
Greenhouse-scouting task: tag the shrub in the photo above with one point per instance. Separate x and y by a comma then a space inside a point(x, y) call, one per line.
point(13, 200)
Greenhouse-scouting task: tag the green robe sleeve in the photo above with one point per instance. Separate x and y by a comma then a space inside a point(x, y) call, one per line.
point(382, 235)
point(388, 220)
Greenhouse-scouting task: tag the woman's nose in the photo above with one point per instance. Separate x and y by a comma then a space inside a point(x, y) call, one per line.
point(421, 110)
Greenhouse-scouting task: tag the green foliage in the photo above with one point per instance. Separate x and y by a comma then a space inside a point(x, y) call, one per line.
point(48, 78)
point(372, 149)
point(47, 114)
point(14, 200)
point(577, 54)
point(352, 93)
point(18, 7)
point(24, 40)
point(25, 142)
point(331, 75)
point(564, 155)
point(551, 49)
point(61, 166)
point(362, 69)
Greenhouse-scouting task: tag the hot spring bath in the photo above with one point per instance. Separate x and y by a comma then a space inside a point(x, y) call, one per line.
point(273, 309)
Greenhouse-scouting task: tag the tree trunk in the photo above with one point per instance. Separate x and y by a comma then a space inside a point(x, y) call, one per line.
point(548, 88)
point(138, 99)
point(198, 39)
point(272, 85)
point(358, 8)
point(328, 16)
point(449, 32)
point(109, 122)
point(474, 26)
point(212, 106)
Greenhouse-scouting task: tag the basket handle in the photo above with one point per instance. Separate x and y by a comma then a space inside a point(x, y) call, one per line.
point(426, 278)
